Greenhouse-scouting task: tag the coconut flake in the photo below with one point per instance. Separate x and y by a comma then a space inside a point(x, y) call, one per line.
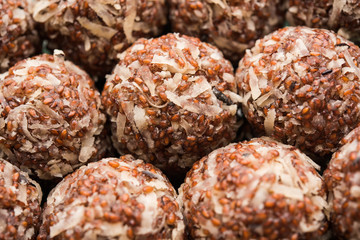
point(262, 101)
point(24, 126)
point(173, 83)
point(17, 211)
point(269, 121)
point(123, 72)
point(120, 125)
point(338, 6)
point(186, 126)
point(137, 47)
point(147, 76)
point(216, 55)
point(150, 101)
point(129, 20)
point(254, 84)
point(289, 192)
point(87, 43)
point(7, 172)
point(175, 98)
point(70, 157)
point(69, 16)
point(300, 49)
point(97, 29)
point(171, 65)
point(40, 13)
point(140, 118)
point(22, 194)
point(103, 13)
point(349, 60)
point(113, 229)
point(235, 98)
point(222, 4)
point(228, 77)
point(329, 53)
point(200, 86)
point(200, 108)
point(72, 220)
point(87, 148)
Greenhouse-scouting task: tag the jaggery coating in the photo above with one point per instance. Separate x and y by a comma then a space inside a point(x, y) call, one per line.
point(301, 86)
point(257, 189)
point(19, 204)
point(342, 179)
point(113, 199)
point(342, 16)
point(171, 100)
point(231, 25)
point(93, 32)
point(18, 37)
point(50, 116)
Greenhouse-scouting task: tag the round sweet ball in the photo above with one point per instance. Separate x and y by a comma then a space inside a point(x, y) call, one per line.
point(50, 116)
point(338, 15)
point(258, 189)
point(171, 100)
point(232, 25)
point(92, 33)
point(113, 199)
point(20, 199)
point(301, 86)
point(18, 37)
point(341, 177)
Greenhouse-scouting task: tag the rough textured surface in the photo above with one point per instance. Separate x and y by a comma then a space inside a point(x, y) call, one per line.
point(50, 116)
point(171, 100)
point(113, 199)
point(93, 32)
point(342, 16)
point(20, 199)
point(18, 38)
point(258, 189)
point(342, 179)
point(301, 86)
point(231, 25)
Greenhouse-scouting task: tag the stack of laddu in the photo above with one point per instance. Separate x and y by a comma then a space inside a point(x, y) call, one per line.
point(164, 104)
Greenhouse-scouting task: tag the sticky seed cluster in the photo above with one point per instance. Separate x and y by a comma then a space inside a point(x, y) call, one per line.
point(252, 190)
point(51, 120)
point(163, 99)
point(301, 86)
point(113, 198)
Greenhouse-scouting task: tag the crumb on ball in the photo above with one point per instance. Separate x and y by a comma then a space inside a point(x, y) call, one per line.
point(20, 204)
point(233, 26)
point(342, 178)
point(253, 190)
point(171, 100)
point(18, 37)
point(113, 199)
point(301, 86)
point(92, 33)
point(51, 120)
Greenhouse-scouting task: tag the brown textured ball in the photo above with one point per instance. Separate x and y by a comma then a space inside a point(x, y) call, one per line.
point(342, 179)
point(93, 32)
point(258, 189)
point(113, 199)
point(301, 86)
point(19, 204)
point(50, 116)
point(171, 100)
point(231, 25)
point(18, 37)
point(342, 16)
